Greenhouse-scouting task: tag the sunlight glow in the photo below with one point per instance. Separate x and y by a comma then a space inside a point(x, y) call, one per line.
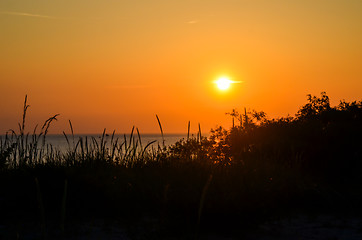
point(223, 83)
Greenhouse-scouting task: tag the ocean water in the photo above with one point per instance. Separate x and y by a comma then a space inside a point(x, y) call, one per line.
point(60, 143)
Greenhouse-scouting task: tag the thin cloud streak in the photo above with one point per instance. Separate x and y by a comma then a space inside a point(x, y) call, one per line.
point(27, 15)
point(193, 21)
point(129, 86)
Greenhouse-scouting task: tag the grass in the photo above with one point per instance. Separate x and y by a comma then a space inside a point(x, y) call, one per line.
point(229, 182)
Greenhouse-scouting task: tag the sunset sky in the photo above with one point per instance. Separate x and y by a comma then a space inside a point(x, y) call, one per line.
point(117, 63)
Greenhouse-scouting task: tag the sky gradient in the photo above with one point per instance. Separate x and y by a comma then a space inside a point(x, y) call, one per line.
point(116, 63)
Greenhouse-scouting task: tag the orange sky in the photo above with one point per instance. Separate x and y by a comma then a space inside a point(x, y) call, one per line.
point(114, 64)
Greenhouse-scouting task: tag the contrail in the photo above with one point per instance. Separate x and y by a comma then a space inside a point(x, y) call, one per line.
point(26, 14)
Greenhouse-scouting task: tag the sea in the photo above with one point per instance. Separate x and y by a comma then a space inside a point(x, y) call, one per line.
point(59, 141)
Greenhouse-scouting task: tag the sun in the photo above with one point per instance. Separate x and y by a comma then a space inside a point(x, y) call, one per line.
point(223, 83)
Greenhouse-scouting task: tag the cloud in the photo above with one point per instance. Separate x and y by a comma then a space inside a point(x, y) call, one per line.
point(128, 86)
point(192, 21)
point(26, 14)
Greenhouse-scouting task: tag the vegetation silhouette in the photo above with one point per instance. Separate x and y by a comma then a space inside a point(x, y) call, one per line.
point(236, 178)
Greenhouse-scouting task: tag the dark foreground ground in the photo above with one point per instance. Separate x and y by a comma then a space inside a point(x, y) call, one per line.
point(321, 227)
point(159, 204)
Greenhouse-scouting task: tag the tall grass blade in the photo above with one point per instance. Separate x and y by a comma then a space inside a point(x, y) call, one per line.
point(66, 138)
point(159, 124)
point(71, 129)
point(199, 133)
point(26, 106)
point(188, 131)
point(148, 144)
point(139, 137)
